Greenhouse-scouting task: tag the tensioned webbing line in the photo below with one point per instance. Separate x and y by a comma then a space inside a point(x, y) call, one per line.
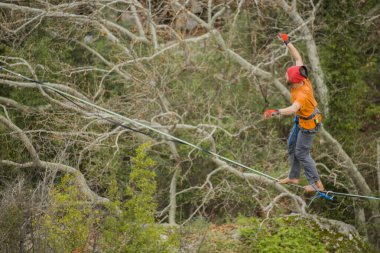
point(70, 98)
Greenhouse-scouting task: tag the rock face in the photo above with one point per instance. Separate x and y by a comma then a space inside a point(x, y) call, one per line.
point(336, 226)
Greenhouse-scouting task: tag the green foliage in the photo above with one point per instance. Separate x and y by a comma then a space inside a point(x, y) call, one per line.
point(130, 227)
point(350, 64)
point(11, 226)
point(67, 222)
point(116, 168)
point(31, 98)
point(284, 239)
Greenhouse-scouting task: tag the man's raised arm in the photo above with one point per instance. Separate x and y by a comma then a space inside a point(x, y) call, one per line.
point(293, 51)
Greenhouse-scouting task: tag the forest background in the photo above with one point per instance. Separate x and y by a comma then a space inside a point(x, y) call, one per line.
point(73, 181)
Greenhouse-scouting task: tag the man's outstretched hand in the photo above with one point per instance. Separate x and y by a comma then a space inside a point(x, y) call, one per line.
point(270, 113)
point(285, 38)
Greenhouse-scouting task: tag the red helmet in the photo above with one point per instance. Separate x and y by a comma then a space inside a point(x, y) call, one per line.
point(296, 74)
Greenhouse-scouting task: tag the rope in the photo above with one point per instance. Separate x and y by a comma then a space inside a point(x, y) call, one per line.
point(70, 98)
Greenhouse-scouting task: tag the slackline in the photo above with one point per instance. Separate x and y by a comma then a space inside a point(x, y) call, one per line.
point(74, 100)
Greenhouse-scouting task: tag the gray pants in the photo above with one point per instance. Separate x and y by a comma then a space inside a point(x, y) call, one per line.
point(299, 145)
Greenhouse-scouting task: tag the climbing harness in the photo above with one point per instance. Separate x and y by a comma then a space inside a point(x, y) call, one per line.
point(73, 100)
point(312, 115)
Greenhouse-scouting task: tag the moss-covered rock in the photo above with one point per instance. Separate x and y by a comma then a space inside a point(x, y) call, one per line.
point(297, 233)
point(293, 234)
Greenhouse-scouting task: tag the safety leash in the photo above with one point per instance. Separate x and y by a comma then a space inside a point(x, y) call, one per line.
point(294, 130)
point(319, 194)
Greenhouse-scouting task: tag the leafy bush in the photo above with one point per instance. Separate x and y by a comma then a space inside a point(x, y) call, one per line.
point(130, 227)
point(127, 225)
point(66, 224)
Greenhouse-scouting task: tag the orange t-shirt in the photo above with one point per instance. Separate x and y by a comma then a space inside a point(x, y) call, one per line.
point(304, 95)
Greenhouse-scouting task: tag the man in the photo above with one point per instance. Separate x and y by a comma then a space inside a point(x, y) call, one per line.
point(307, 122)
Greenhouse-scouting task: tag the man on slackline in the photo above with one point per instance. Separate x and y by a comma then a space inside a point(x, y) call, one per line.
point(307, 122)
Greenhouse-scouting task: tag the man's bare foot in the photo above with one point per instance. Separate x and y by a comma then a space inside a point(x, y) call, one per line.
point(318, 185)
point(289, 181)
